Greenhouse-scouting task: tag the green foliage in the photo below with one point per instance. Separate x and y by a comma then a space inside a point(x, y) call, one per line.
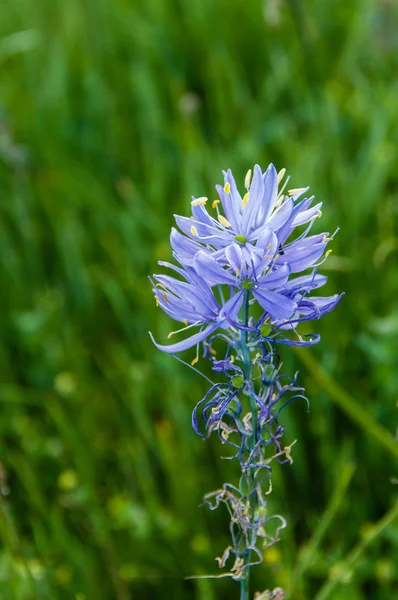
point(111, 115)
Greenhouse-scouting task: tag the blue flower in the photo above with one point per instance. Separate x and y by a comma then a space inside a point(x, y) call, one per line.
point(193, 303)
point(244, 219)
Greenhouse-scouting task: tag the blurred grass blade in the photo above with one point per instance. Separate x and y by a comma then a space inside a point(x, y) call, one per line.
point(347, 403)
point(342, 570)
point(331, 510)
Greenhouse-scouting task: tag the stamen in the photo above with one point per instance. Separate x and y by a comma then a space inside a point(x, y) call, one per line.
point(281, 175)
point(232, 359)
point(214, 203)
point(186, 322)
point(195, 360)
point(197, 201)
point(295, 191)
point(194, 231)
point(245, 199)
point(267, 255)
point(165, 296)
point(227, 188)
point(248, 179)
point(156, 300)
point(224, 221)
point(319, 213)
point(326, 239)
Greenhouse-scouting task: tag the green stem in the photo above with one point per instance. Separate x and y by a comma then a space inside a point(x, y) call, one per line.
point(244, 583)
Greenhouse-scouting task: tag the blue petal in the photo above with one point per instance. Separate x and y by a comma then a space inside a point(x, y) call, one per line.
point(211, 270)
point(281, 215)
point(184, 247)
point(188, 342)
point(276, 277)
point(234, 256)
point(305, 283)
point(270, 180)
point(278, 306)
point(306, 215)
point(302, 258)
point(232, 307)
point(256, 193)
point(206, 233)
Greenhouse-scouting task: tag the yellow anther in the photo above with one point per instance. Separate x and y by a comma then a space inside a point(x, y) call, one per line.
point(227, 188)
point(170, 334)
point(156, 300)
point(267, 255)
point(296, 191)
point(198, 201)
point(245, 199)
point(195, 360)
point(328, 252)
point(326, 239)
point(237, 271)
point(165, 296)
point(214, 203)
point(319, 213)
point(248, 179)
point(185, 322)
point(232, 359)
point(269, 246)
point(212, 351)
point(194, 231)
point(224, 221)
point(281, 175)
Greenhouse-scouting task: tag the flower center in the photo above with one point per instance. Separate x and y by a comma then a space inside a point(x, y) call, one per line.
point(247, 284)
point(241, 239)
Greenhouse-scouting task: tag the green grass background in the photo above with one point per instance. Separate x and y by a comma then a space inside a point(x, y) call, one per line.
point(112, 114)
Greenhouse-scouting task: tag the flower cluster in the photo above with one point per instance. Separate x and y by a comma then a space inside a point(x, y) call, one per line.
point(247, 270)
point(249, 251)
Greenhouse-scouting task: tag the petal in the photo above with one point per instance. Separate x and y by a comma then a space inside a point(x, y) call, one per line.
point(281, 215)
point(306, 215)
point(232, 306)
point(256, 193)
point(189, 295)
point(302, 258)
point(270, 181)
point(276, 277)
point(318, 305)
point(206, 233)
point(267, 241)
point(184, 247)
point(234, 256)
point(305, 283)
point(211, 270)
point(200, 213)
point(278, 306)
point(188, 342)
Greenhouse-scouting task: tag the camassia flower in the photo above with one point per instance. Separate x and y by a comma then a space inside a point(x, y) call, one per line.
point(230, 265)
point(250, 250)
point(193, 303)
point(244, 219)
